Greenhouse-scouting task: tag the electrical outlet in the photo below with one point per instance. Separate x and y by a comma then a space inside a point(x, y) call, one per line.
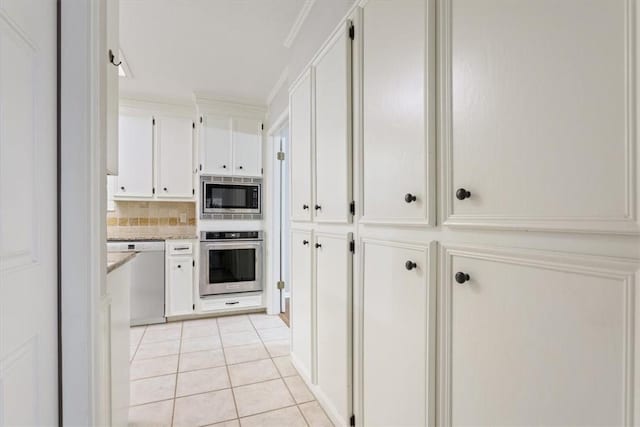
point(183, 218)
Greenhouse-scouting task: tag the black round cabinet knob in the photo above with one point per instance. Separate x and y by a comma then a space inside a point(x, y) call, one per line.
point(318, 207)
point(165, 188)
point(305, 242)
point(224, 166)
point(410, 198)
point(461, 277)
point(305, 207)
point(240, 167)
point(122, 188)
point(318, 245)
point(410, 265)
point(462, 194)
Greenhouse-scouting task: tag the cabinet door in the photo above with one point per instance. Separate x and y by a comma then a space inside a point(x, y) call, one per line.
point(301, 302)
point(215, 146)
point(536, 143)
point(333, 131)
point(247, 147)
point(135, 175)
point(526, 336)
point(113, 85)
point(397, 331)
point(395, 137)
point(300, 149)
point(179, 286)
point(333, 322)
point(174, 136)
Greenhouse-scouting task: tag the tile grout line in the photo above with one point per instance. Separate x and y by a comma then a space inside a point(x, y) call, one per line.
point(175, 389)
point(224, 357)
point(144, 331)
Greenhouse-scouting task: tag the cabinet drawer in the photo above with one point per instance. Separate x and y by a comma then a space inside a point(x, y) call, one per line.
point(179, 248)
point(231, 302)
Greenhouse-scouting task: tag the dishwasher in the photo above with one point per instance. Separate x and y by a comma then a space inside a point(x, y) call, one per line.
point(147, 281)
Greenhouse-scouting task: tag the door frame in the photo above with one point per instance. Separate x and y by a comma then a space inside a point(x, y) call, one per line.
point(272, 211)
point(82, 210)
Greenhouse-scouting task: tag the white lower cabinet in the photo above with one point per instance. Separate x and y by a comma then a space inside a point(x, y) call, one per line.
point(333, 323)
point(535, 338)
point(302, 301)
point(397, 355)
point(180, 265)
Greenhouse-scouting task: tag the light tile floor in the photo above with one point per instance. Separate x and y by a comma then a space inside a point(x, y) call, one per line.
point(231, 371)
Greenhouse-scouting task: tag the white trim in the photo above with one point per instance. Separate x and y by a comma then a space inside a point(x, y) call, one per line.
point(297, 24)
point(278, 122)
point(284, 75)
point(125, 66)
point(208, 104)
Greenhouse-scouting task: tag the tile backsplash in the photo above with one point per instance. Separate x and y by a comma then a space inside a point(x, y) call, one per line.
point(163, 218)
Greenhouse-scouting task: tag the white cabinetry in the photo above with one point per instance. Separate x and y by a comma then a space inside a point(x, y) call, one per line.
point(230, 146)
point(135, 175)
point(179, 277)
point(247, 147)
point(333, 323)
point(174, 142)
point(396, 107)
point(216, 154)
point(562, 159)
point(302, 331)
point(300, 148)
point(398, 334)
point(535, 331)
point(333, 154)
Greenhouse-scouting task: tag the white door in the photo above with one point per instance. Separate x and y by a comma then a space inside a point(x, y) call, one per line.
point(539, 117)
point(333, 131)
point(247, 147)
point(135, 154)
point(300, 149)
point(174, 145)
point(180, 286)
point(398, 326)
point(395, 132)
point(333, 322)
point(532, 338)
point(28, 255)
point(302, 310)
point(215, 146)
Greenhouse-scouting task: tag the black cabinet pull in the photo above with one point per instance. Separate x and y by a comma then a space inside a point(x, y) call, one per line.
point(305, 207)
point(224, 166)
point(179, 266)
point(122, 188)
point(165, 188)
point(410, 265)
point(232, 302)
point(305, 242)
point(318, 245)
point(461, 277)
point(462, 194)
point(318, 207)
point(410, 198)
point(240, 167)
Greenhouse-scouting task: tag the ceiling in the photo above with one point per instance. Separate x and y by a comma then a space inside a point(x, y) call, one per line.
point(231, 49)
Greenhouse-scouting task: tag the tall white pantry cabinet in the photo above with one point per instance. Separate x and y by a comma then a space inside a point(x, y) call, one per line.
point(490, 152)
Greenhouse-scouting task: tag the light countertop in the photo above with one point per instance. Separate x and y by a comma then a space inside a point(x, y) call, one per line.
point(116, 259)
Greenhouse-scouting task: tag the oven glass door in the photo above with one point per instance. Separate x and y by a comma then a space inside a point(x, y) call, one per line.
point(232, 198)
point(230, 268)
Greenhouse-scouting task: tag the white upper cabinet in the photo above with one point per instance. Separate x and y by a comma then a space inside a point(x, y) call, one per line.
point(397, 119)
point(300, 148)
point(537, 121)
point(135, 154)
point(247, 147)
point(174, 142)
point(333, 142)
point(216, 154)
point(398, 359)
point(525, 336)
point(113, 85)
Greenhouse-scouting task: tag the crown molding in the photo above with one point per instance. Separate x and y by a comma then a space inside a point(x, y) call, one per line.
point(209, 103)
point(297, 24)
point(278, 86)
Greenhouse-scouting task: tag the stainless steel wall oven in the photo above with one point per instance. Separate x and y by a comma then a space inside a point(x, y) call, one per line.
point(231, 262)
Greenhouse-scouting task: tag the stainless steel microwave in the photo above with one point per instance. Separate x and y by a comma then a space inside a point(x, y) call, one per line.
point(225, 197)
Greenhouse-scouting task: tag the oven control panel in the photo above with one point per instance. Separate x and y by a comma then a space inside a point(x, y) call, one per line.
point(213, 236)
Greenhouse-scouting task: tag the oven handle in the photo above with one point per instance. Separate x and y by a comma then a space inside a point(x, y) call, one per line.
point(238, 244)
